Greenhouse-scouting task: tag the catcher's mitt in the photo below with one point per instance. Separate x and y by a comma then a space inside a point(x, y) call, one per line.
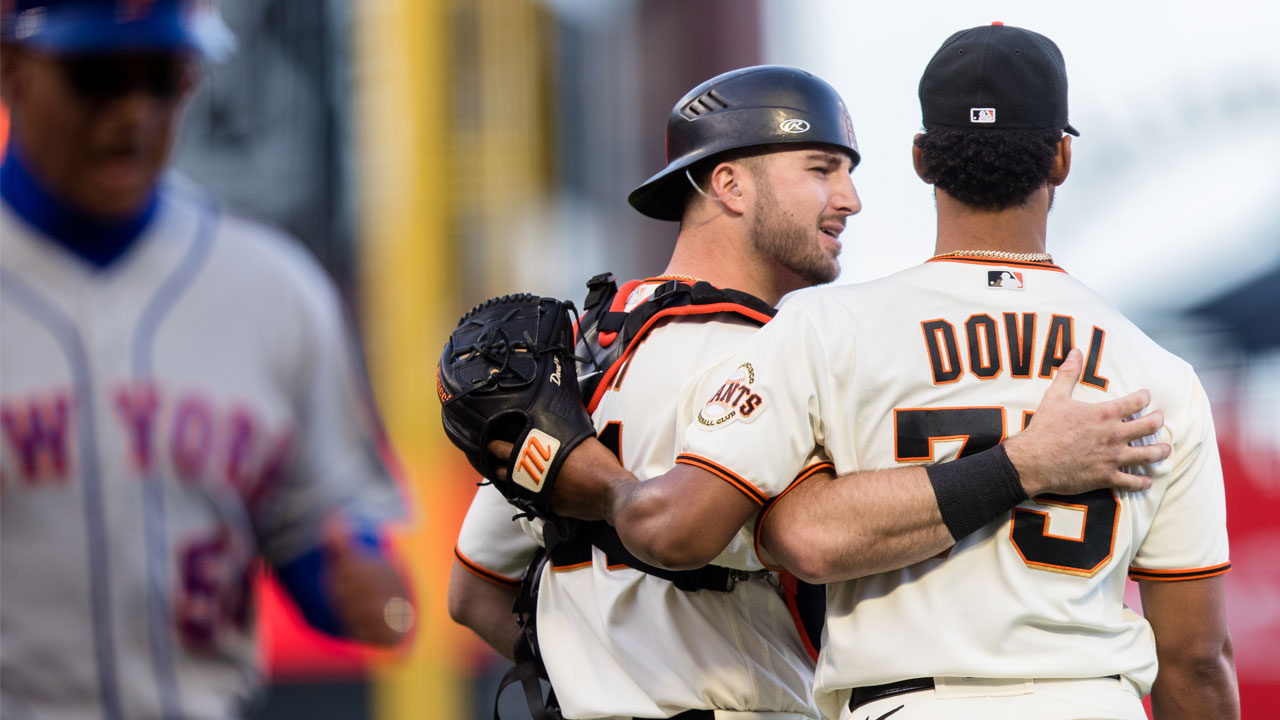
point(508, 373)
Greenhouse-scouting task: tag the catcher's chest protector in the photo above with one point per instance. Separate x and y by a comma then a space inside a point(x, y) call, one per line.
point(610, 331)
point(614, 322)
point(606, 336)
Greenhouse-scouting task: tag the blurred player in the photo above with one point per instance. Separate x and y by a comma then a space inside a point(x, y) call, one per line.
point(180, 396)
point(1024, 617)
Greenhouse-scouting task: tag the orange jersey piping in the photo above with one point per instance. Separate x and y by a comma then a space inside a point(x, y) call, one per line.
point(1137, 573)
point(483, 572)
point(720, 471)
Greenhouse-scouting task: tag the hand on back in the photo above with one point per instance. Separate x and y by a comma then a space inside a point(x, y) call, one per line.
point(1071, 447)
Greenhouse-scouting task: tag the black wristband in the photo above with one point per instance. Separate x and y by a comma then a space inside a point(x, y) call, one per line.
point(975, 490)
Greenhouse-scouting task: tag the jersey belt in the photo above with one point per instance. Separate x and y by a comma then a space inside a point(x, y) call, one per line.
point(602, 535)
point(863, 695)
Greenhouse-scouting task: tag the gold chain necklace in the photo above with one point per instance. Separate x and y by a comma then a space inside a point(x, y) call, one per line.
point(673, 276)
point(1000, 254)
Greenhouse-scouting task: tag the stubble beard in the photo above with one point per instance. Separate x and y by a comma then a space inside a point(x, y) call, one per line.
point(787, 241)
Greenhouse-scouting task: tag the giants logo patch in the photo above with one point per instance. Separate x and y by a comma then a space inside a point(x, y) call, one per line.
point(735, 400)
point(535, 457)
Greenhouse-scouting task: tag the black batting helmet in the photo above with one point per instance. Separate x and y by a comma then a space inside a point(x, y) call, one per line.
point(760, 105)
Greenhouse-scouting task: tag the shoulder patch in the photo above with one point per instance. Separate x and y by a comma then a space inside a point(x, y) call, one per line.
point(735, 400)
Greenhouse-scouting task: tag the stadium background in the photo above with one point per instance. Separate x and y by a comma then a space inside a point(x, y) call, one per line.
point(437, 152)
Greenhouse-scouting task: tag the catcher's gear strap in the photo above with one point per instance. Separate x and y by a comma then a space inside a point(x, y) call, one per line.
point(529, 670)
point(807, 604)
point(608, 333)
point(576, 551)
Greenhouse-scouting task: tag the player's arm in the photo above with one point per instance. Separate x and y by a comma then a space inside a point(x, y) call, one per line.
point(1197, 676)
point(484, 605)
point(1188, 539)
point(368, 592)
point(679, 520)
point(493, 553)
point(349, 587)
point(826, 528)
point(830, 528)
point(320, 523)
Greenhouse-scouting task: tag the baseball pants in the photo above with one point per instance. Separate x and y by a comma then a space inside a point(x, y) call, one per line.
point(988, 699)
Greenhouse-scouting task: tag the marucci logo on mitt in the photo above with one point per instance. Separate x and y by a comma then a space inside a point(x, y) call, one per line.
point(507, 373)
point(535, 455)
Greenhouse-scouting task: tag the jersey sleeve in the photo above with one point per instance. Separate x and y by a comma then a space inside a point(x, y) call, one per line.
point(760, 417)
point(1188, 537)
point(336, 465)
point(816, 463)
point(493, 545)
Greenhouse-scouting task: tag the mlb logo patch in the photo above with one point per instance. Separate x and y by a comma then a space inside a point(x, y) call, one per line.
point(985, 116)
point(1004, 279)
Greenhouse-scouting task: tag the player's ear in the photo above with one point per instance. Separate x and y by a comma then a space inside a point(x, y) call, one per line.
point(917, 157)
point(1061, 162)
point(729, 182)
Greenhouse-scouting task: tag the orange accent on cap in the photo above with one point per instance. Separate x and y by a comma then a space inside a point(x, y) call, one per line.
point(996, 22)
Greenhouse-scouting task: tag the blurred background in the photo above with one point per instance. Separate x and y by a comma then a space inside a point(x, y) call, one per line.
point(434, 153)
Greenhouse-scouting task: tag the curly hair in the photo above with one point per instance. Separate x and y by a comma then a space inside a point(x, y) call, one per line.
point(988, 170)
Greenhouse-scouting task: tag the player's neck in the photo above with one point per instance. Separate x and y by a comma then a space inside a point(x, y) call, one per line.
point(1021, 229)
point(724, 260)
point(95, 240)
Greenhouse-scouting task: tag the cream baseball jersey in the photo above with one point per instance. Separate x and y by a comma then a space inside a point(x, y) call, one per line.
point(619, 642)
point(167, 419)
point(950, 358)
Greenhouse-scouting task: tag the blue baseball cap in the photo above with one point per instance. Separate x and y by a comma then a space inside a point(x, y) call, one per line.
point(86, 26)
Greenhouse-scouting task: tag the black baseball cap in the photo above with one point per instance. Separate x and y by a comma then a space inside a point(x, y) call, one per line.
point(996, 77)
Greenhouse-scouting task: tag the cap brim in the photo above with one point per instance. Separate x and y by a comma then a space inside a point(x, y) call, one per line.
point(1071, 131)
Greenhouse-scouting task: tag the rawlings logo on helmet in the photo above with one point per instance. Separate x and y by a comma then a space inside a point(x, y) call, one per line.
point(794, 126)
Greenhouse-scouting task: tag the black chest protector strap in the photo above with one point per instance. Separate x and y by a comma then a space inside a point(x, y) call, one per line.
point(529, 670)
point(608, 333)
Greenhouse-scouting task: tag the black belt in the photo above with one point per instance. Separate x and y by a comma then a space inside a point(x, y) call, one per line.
point(864, 695)
point(692, 715)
